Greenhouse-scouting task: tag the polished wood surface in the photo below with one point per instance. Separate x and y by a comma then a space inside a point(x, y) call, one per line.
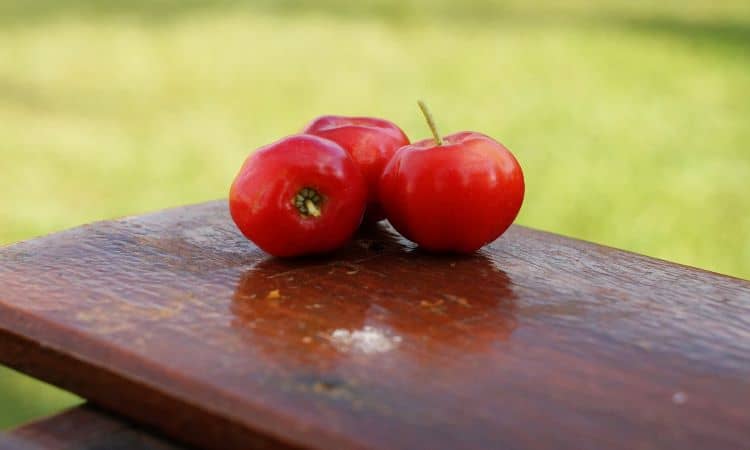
point(174, 320)
point(84, 428)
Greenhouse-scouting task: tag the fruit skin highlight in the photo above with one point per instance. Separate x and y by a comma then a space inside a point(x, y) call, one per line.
point(297, 196)
point(371, 142)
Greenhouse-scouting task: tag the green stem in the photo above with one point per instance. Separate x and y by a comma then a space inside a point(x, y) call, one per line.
point(430, 122)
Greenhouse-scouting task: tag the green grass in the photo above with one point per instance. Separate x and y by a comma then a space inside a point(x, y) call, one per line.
point(629, 118)
point(23, 399)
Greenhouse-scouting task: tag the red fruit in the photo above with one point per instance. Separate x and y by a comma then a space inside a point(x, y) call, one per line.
point(452, 195)
point(300, 195)
point(370, 141)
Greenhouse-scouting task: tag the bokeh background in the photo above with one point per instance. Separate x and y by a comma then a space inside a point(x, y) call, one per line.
point(631, 118)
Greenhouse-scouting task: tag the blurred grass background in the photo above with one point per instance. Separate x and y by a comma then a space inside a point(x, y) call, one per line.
point(630, 118)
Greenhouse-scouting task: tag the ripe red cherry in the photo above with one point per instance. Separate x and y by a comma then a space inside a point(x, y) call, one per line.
point(454, 194)
point(300, 195)
point(370, 141)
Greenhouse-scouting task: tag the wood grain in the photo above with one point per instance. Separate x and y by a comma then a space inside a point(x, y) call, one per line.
point(85, 428)
point(539, 341)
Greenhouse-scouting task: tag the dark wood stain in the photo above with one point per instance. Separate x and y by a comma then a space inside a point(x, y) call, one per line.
point(174, 320)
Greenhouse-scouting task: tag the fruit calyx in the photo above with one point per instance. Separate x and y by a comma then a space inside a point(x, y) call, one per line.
point(308, 201)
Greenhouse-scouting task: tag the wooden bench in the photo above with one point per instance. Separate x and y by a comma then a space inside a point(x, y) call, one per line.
point(174, 322)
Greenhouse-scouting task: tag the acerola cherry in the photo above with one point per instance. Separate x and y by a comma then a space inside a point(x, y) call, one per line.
point(454, 194)
point(370, 141)
point(300, 195)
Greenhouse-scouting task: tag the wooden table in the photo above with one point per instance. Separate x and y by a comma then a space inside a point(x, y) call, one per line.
point(175, 322)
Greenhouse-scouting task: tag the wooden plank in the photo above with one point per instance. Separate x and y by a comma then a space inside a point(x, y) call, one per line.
point(11, 443)
point(174, 320)
point(85, 428)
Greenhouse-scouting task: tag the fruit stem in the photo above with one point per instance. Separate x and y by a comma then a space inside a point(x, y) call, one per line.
point(311, 208)
point(430, 122)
